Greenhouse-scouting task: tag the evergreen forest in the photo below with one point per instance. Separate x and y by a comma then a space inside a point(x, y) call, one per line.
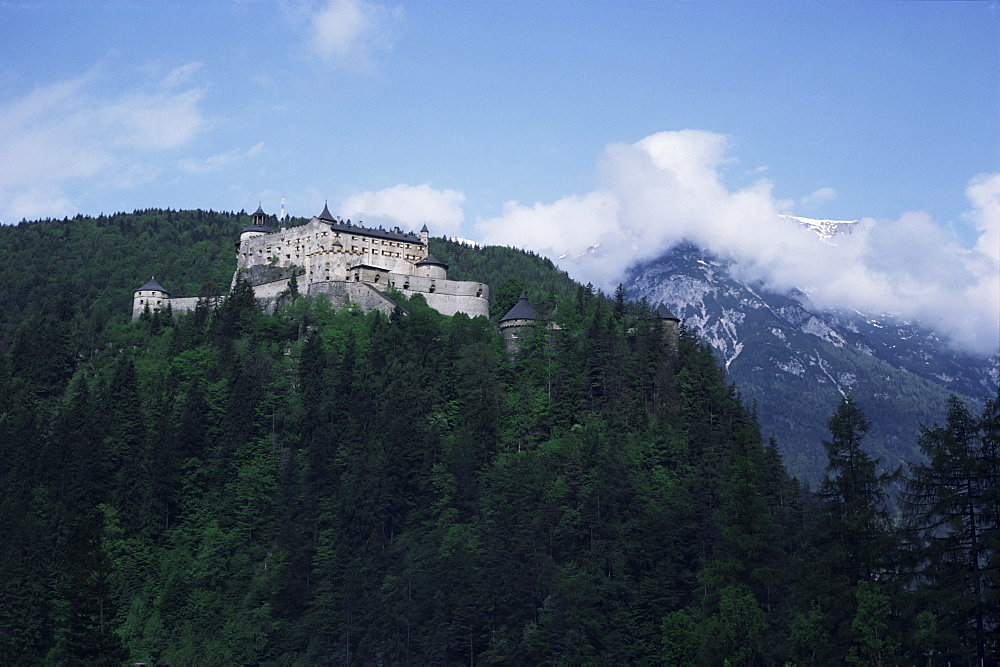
point(320, 486)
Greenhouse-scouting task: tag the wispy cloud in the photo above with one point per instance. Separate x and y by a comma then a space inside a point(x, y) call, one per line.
point(219, 161)
point(668, 188)
point(350, 33)
point(410, 207)
point(69, 131)
point(817, 197)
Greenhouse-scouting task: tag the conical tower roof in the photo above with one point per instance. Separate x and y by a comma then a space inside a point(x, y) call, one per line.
point(431, 259)
point(326, 216)
point(153, 286)
point(663, 313)
point(522, 310)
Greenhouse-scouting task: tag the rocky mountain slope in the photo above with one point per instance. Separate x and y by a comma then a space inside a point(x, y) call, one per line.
point(795, 361)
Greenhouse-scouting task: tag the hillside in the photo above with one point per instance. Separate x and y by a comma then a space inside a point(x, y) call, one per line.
point(321, 487)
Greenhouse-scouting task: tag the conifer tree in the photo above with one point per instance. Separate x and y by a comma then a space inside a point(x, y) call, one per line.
point(951, 502)
point(851, 539)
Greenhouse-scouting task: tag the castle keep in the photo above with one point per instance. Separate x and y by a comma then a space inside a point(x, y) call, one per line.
point(345, 262)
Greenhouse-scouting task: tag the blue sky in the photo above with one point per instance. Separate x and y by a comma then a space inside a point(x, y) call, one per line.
point(528, 123)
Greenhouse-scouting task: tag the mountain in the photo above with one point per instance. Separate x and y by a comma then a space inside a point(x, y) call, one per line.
point(824, 228)
point(796, 361)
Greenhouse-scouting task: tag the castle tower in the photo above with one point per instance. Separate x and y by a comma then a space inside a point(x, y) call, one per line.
point(257, 227)
point(521, 315)
point(669, 324)
point(424, 234)
point(151, 294)
point(432, 267)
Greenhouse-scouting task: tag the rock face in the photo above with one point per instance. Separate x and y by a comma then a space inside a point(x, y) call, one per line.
point(796, 361)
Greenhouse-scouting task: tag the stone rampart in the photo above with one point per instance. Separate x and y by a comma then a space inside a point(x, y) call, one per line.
point(183, 304)
point(364, 295)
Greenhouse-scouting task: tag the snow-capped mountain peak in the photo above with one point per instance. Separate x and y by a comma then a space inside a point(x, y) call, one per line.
point(824, 228)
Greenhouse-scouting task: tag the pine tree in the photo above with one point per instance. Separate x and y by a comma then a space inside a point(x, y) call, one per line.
point(951, 502)
point(852, 538)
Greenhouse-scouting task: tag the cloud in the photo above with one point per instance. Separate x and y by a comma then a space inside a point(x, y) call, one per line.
point(219, 161)
point(410, 207)
point(68, 131)
point(348, 33)
point(669, 187)
point(984, 193)
point(817, 197)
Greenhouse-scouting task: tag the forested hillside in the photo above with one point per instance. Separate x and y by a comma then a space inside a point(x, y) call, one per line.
point(320, 487)
point(87, 268)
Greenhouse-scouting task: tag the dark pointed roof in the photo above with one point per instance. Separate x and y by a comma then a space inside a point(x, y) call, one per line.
point(522, 310)
point(431, 260)
point(259, 211)
point(358, 230)
point(257, 228)
point(153, 286)
point(663, 313)
point(325, 216)
point(424, 228)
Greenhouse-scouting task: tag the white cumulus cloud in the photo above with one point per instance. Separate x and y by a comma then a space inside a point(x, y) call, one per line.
point(669, 187)
point(348, 33)
point(410, 207)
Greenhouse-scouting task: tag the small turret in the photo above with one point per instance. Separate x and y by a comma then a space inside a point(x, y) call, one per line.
point(521, 315)
point(424, 234)
point(257, 227)
point(153, 295)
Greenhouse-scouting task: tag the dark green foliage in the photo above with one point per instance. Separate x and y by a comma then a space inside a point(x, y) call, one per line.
point(851, 543)
point(952, 503)
point(332, 487)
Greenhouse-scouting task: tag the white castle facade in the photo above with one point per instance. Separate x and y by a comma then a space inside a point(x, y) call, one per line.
point(348, 263)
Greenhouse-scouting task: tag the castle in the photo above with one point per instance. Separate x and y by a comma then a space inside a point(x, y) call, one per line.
point(346, 262)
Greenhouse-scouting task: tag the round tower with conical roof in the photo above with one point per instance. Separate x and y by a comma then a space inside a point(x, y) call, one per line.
point(432, 267)
point(511, 324)
point(669, 325)
point(153, 295)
